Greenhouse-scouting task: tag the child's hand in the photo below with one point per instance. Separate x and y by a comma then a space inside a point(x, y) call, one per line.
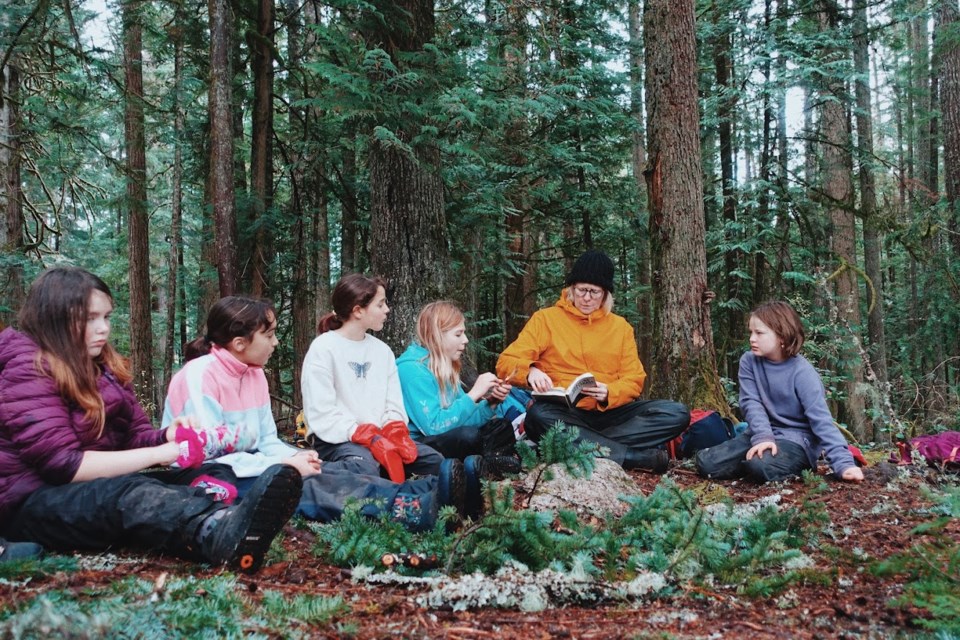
point(758, 449)
point(306, 462)
point(482, 387)
point(852, 474)
point(499, 393)
point(183, 421)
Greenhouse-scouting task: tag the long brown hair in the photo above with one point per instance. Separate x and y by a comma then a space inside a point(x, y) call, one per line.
point(55, 316)
point(231, 317)
point(353, 290)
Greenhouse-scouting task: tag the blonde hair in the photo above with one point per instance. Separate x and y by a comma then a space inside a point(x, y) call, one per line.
point(435, 319)
point(606, 305)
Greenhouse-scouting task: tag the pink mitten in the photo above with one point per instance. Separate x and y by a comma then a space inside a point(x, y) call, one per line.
point(191, 444)
point(217, 490)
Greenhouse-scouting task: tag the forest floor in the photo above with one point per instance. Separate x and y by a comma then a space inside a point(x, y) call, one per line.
point(868, 522)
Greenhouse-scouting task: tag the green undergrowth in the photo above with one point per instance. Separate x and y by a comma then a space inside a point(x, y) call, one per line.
point(757, 549)
point(216, 607)
point(932, 566)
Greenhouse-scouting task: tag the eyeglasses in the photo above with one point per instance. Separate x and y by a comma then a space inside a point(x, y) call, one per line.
point(586, 292)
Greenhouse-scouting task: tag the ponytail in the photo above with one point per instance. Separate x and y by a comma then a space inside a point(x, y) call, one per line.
point(353, 290)
point(329, 322)
point(198, 347)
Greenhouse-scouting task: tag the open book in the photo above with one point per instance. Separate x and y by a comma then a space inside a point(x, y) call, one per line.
point(569, 396)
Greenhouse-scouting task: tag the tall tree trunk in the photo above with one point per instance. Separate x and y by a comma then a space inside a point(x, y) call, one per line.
point(868, 203)
point(784, 216)
point(141, 333)
point(301, 209)
point(732, 258)
point(518, 302)
point(408, 234)
point(175, 259)
point(684, 361)
point(11, 198)
point(948, 19)
point(261, 147)
point(837, 191)
point(639, 157)
point(221, 146)
point(348, 207)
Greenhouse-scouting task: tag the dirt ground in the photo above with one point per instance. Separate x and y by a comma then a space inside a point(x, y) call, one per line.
point(874, 518)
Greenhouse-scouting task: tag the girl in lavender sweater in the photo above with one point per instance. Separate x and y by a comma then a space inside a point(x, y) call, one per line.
point(784, 403)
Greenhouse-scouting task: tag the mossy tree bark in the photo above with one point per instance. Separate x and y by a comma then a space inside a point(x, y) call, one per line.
point(684, 363)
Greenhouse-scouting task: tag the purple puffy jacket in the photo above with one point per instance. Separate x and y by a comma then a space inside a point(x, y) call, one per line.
point(43, 437)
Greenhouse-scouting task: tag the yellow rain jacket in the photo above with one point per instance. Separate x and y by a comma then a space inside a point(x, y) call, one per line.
point(563, 343)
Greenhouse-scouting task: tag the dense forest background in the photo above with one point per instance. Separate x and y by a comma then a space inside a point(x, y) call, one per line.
point(798, 149)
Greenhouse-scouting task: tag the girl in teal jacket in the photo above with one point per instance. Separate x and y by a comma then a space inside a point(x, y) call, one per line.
point(454, 421)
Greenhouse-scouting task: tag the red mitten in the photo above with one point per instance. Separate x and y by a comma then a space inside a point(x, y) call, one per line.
point(383, 450)
point(191, 443)
point(857, 456)
point(397, 433)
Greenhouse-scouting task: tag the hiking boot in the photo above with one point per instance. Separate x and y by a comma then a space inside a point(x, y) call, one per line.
point(500, 465)
point(474, 469)
point(240, 536)
point(652, 460)
point(452, 484)
point(19, 551)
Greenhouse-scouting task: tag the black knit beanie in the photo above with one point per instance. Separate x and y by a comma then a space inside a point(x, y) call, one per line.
point(593, 267)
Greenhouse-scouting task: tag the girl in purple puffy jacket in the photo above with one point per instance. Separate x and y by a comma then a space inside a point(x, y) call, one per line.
point(73, 441)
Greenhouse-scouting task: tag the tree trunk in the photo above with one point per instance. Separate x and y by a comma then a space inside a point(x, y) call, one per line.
point(175, 259)
point(408, 234)
point(732, 258)
point(221, 147)
point(948, 18)
point(141, 333)
point(837, 192)
point(408, 242)
point(868, 204)
point(639, 157)
point(261, 148)
point(11, 198)
point(348, 208)
point(518, 302)
point(684, 365)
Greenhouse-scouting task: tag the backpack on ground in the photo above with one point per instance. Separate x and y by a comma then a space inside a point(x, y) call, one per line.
point(938, 449)
point(707, 429)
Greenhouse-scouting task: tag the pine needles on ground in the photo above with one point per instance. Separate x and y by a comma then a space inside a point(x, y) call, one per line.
point(933, 566)
point(183, 608)
point(756, 549)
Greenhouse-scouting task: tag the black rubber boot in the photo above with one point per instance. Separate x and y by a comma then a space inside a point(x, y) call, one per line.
point(652, 460)
point(475, 470)
point(452, 485)
point(241, 536)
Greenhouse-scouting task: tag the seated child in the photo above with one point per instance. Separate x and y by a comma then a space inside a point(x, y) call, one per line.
point(352, 402)
point(222, 391)
point(74, 442)
point(784, 404)
point(445, 416)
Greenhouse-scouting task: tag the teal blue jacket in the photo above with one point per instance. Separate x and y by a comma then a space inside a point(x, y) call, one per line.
point(421, 399)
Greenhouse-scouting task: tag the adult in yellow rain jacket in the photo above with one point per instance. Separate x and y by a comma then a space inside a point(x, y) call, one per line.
point(581, 334)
